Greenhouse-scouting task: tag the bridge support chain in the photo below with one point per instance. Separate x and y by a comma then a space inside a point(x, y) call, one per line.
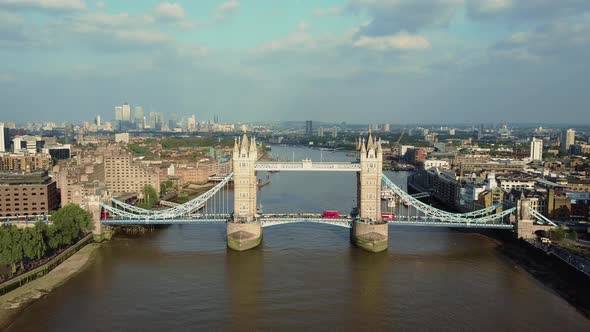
point(370, 237)
point(243, 236)
point(100, 232)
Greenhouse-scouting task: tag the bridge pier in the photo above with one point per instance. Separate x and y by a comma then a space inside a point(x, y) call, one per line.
point(99, 232)
point(369, 237)
point(243, 236)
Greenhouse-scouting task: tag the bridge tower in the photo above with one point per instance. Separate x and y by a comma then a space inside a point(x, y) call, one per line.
point(525, 222)
point(369, 232)
point(244, 230)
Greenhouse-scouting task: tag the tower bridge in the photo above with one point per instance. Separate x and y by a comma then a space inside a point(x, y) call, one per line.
point(368, 226)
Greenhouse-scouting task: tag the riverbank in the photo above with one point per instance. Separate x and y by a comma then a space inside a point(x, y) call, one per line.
point(559, 277)
point(16, 301)
point(567, 282)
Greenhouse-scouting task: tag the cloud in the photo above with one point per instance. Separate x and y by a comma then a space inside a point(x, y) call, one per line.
point(525, 10)
point(12, 29)
point(226, 10)
point(562, 39)
point(399, 41)
point(170, 11)
point(330, 11)
point(52, 5)
point(392, 16)
point(229, 6)
point(113, 32)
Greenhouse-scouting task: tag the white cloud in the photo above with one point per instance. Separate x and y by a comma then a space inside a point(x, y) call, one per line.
point(399, 41)
point(170, 11)
point(229, 6)
point(493, 6)
point(46, 4)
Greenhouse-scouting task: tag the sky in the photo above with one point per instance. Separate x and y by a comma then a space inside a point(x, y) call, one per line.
point(360, 61)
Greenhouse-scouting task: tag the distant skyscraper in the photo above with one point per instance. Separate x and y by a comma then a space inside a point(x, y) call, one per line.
point(97, 121)
point(321, 131)
point(334, 131)
point(126, 112)
point(308, 128)
point(138, 116)
point(118, 113)
point(536, 149)
point(568, 138)
point(192, 122)
point(386, 127)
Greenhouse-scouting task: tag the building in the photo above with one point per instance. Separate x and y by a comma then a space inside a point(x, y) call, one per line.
point(334, 132)
point(26, 143)
point(97, 121)
point(24, 162)
point(118, 113)
point(2, 138)
point(387, 127)
point(510, 183)
point(27, 194)
point(138, 116)
point(452, 132)
point(580, 149)
point(568, 138)
point(192, 123)
point(536, 152)
point(122, 138)
point(58, 151)
point(415, 155)
point(321, 132)
point(308, 128)
point(434, 163)
point(124, 175)
point(126, 112)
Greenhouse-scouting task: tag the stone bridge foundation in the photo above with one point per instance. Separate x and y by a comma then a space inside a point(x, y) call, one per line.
point(99, 231)
point(243, 236)
point(370, 237)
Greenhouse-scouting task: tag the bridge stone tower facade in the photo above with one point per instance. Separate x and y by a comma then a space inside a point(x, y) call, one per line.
point(244, 229)
point(369, 232)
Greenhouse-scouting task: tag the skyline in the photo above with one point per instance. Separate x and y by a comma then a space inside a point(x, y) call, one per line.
point(359, 61)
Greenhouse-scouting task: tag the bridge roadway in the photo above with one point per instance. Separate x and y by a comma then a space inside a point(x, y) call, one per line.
point(307, 165)
point(269, 220)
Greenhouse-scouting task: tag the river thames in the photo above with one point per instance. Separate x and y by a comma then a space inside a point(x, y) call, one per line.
point(302, 277)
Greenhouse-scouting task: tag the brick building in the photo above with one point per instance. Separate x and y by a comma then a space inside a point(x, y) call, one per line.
point(27, 194)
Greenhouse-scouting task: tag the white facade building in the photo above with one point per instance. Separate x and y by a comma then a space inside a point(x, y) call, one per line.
point(433, 163)
point(536, 149)
point(2, 137)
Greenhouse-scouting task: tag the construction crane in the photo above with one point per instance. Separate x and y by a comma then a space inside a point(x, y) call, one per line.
point(396, 144)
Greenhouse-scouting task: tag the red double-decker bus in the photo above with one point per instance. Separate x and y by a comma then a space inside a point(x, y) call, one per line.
point(331, 215)
point(388, 216)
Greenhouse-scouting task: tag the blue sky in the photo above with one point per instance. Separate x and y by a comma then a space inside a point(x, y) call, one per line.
point(361, 61)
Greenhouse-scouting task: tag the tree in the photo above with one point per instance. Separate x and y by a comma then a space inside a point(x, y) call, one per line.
point(11, 249)
point(69, 222)
point(34, 246)
point(150, 197)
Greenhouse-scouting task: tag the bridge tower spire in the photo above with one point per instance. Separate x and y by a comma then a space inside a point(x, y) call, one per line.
point(369, 232)
point(244, 229)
